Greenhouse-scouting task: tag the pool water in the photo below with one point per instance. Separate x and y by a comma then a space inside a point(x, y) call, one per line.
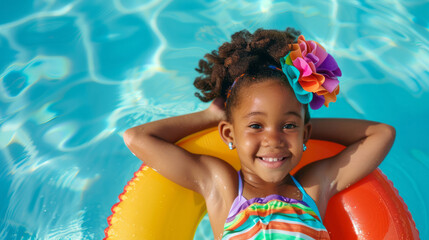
point(74, 75)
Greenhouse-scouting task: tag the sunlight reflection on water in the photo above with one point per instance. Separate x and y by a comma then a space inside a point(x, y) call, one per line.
point(75, 74)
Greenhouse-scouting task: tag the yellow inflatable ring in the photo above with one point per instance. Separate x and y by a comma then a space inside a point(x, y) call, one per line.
point(154, 208)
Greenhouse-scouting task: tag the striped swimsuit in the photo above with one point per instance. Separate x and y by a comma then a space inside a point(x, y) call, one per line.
point(274, 217)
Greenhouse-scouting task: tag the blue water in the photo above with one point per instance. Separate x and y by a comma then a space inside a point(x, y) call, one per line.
point(75, 74)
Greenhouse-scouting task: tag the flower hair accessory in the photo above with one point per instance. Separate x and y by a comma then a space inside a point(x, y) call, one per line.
point(312, 73)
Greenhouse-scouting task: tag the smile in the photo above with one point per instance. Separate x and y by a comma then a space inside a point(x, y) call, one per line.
point(271, 159)
point(272, 162)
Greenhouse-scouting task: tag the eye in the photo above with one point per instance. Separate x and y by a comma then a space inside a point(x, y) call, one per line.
point(289, 126)
point(255, 126)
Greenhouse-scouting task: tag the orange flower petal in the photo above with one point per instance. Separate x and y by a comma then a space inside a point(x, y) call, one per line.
point(295, 52)
point(312, 83)
point(331, 97)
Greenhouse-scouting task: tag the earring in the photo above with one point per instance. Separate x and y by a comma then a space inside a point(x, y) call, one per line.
point(230, 146)
point(304, 147)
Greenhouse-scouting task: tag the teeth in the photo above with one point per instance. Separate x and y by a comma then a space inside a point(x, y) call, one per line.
point(272, 159)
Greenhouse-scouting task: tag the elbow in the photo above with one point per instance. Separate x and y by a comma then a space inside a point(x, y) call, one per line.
point(391, 131)
point(130, 136)
point(388, 131)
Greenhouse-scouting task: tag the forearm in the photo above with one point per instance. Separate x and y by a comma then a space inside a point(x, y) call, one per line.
point(175, 128)
point(153, 143)
point(346, 131)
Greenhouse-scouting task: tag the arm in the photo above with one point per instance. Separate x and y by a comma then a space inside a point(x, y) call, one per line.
point(153, 143)
point(367, 144)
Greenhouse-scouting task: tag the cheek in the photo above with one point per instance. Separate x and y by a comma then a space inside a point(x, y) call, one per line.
point(297, 145)
point(249, 143)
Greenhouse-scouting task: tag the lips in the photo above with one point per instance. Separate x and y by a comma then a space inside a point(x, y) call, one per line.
point(271, 159)
point(272, 162)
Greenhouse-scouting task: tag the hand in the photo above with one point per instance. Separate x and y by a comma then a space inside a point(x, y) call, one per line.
point(217, 109)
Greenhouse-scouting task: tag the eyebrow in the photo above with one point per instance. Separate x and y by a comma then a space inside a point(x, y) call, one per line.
point(263, 113)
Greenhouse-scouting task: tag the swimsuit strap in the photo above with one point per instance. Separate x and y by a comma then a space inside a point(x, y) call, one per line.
point(240, 185)
point(307, 199)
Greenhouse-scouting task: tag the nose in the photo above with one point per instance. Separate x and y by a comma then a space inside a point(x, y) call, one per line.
point(273, 138)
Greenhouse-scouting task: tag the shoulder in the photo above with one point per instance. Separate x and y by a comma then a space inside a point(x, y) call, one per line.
point(312, 178)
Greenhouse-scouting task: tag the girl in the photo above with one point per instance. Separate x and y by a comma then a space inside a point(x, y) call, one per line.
point(262, 85)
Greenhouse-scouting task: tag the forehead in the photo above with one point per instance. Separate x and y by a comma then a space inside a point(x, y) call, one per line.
point(268, 96)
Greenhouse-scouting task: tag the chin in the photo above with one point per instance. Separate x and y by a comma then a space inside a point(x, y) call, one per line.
point(274, 177)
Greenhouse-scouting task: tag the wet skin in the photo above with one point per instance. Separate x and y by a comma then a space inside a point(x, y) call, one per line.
point(268, 132)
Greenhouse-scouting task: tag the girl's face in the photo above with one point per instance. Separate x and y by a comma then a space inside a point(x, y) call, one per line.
point(268, 130)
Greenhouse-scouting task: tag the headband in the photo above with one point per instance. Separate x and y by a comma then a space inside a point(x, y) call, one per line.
point(232, 86)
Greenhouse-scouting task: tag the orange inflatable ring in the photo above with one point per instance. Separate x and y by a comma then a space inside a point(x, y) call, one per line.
point(152, 207)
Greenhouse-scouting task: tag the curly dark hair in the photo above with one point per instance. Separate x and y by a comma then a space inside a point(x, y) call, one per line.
point(248, 54)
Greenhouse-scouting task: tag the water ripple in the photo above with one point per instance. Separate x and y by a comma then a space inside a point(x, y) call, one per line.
point(75, 74)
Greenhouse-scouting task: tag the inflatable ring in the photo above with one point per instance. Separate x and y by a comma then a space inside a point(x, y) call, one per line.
point(152, 207)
